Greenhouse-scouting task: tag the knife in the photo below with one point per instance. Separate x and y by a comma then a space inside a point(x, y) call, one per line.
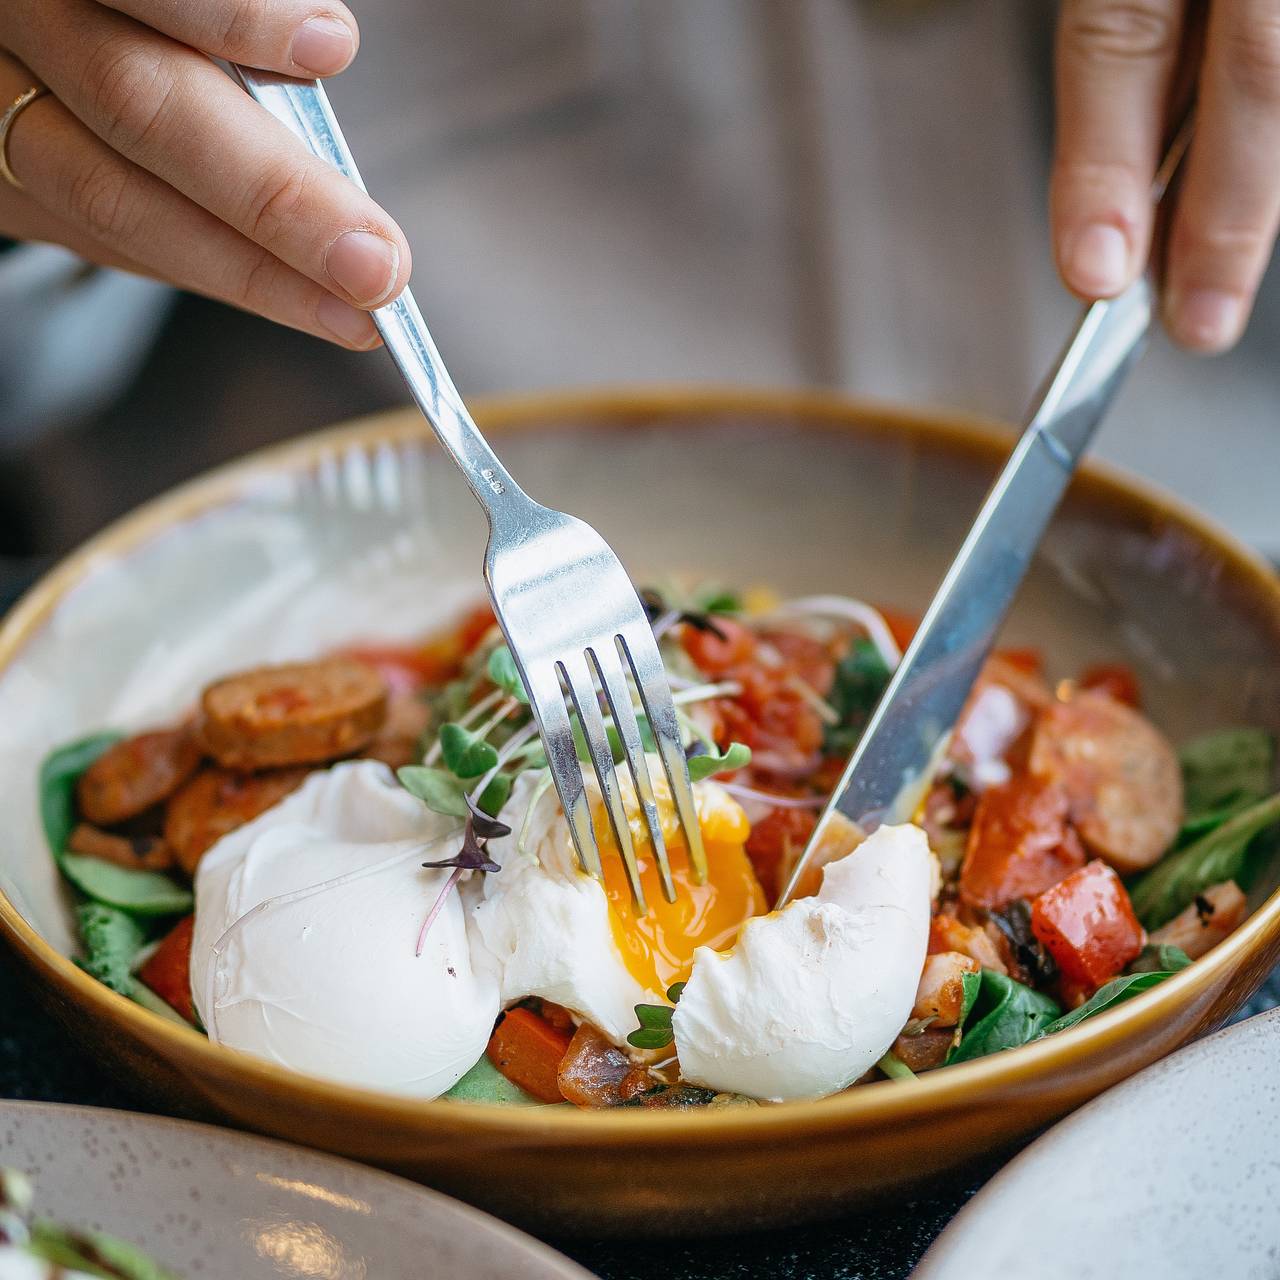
point(910, 727)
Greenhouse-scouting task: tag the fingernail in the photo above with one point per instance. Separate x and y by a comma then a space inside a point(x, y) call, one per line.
point(1207, 319)
point(322, 46)
point(1097, 260)
point(363, 265)
point(346, 323)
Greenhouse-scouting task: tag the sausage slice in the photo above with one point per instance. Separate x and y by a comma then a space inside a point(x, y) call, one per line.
point(217, 801)
point(304, 713)
point(135, 774)
point(137, 853)
point(1121, 775)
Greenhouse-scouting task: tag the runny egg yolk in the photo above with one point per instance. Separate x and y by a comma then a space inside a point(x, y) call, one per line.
point(657, 947)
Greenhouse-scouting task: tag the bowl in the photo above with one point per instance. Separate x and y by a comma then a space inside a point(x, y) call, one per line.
point(367, 528)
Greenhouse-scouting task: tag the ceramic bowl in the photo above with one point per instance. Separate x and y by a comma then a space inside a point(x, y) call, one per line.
point(367, 527)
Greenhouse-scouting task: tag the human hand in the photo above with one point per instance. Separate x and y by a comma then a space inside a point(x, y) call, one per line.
point(1117, 62)
point(145, 156)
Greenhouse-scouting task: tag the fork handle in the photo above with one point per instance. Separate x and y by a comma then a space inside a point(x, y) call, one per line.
point(303, 107)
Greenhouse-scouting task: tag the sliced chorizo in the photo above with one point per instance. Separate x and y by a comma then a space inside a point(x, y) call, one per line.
point(216, 802)
point(132, 776)
point(303, 713)
point(137, 853)
point(1120, 773)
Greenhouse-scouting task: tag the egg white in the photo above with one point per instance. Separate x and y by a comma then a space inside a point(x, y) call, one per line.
point(812, 996)
point(306, 925)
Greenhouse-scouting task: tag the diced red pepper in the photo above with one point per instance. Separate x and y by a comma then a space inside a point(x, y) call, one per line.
point(1020, 843)
point(1118, 681)
point(1087, 924)
point(168, 971)
point(528, 1050)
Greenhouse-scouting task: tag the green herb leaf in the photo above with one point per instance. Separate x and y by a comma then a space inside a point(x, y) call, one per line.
point(141, 893)
point(506, 675)
point(496, 794)
point(655, 1027)
point(1161, 957)
point(861, 678)
point(650, 1038)
point(675, 991)
point(94, 1253)
point(1117, 991)
point(1223, 854)
point(1008, 1014)
point(112, 939)
point(1222, 770)
point(439, 790)
point(464, 752)
point(708, 763)
point(59, 774)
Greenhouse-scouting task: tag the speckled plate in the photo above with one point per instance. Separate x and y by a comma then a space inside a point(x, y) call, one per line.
point(218, 1205)
point(1175, 1173)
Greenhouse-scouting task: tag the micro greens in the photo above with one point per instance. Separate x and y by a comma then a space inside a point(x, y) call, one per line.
point(656, 607)
point(712, 761)
point(472, 856)
point(465, 752)
point(655, 1030)
point(506, 675)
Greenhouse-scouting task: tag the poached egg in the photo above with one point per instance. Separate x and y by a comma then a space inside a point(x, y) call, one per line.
point(307, 920)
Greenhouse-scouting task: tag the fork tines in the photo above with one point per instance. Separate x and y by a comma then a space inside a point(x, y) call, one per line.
point(603, 668)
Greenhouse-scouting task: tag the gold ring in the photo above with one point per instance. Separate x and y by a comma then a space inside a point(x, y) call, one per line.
point(12, 112)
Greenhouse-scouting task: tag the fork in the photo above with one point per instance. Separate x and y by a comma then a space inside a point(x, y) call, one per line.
point(570, 614)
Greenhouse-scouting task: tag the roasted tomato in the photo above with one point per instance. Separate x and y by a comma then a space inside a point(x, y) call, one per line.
point(168, 971)
point(774, 844)
point(1087, 924)
point(528, 1050)
point(715, 651)
point(1020, 843)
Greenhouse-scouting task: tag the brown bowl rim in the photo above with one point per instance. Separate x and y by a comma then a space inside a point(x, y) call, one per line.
point(882, 1104)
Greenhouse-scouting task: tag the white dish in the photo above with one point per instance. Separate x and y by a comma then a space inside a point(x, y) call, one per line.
point(222, 1205)
point(1175, 1173)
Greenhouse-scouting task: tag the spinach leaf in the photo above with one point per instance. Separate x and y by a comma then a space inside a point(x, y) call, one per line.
point(1008, 1015)
point(1160, 958)
point(506, 675)
point(112, 939)
point(1173, 883)
point(861, 677)
point(710, 762)
point(1117, 991)
point(94, 1253)
point(1222, 771)
point(142, 893)
point(59, 774)
point(970, 986)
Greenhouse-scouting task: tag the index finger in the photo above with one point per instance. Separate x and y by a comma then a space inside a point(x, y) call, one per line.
point(294, 37)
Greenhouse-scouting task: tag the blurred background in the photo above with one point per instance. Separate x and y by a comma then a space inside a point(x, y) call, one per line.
point(845, 193)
